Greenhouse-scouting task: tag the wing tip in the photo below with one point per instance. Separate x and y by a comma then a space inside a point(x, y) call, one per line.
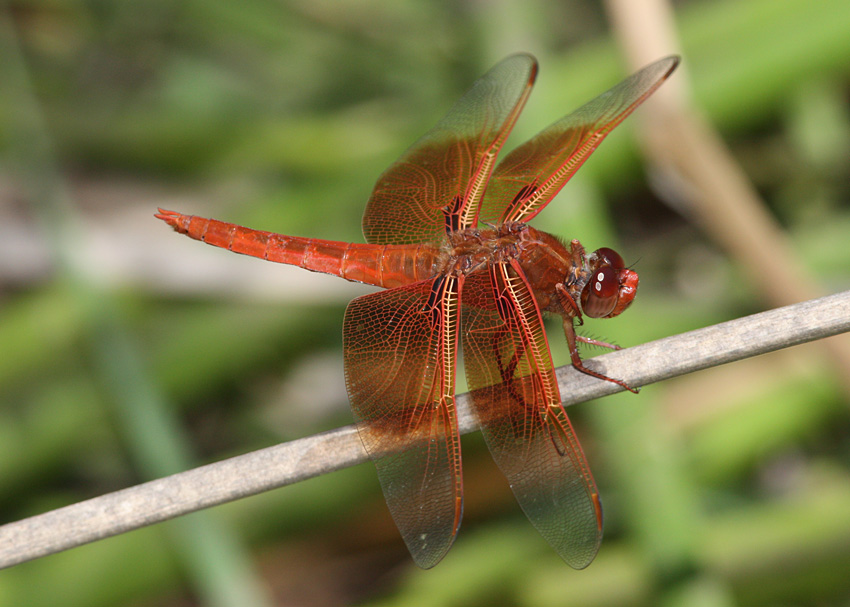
point(673, 61)
point(532, 65)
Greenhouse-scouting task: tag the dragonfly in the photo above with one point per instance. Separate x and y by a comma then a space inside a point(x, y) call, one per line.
point(448, 240)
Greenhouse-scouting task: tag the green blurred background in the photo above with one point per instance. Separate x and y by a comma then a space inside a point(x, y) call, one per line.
point(128, 352)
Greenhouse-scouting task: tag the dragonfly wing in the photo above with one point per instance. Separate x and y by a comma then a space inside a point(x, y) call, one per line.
point(400, 350)
point(516, 398)
point(529, 177)
point(438, 183)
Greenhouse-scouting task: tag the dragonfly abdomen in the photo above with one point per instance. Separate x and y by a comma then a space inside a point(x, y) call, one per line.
point(385, 266)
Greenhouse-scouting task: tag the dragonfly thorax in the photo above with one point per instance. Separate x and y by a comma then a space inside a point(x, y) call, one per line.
point(598, 284)
point(472, 250)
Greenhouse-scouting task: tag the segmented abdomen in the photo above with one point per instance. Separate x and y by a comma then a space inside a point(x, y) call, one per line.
point(380, 265)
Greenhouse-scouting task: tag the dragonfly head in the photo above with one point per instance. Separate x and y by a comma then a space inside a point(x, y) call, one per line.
point(611, 286)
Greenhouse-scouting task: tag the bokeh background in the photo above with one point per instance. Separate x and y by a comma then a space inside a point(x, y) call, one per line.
point(128, 352)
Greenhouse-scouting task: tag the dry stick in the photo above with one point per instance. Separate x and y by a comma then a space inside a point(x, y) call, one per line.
point(718, 193)
point(305, 458)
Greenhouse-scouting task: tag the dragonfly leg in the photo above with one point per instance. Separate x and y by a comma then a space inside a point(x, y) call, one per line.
point(568, 303)
point(572, 339)
point(595, 342)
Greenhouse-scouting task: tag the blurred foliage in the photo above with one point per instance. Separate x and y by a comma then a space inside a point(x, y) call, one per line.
point(729, 487)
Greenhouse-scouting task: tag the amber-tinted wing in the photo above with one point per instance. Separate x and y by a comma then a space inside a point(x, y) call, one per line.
point(439, 182)
point(530, 176)
point(400, 350)
point(516, 398)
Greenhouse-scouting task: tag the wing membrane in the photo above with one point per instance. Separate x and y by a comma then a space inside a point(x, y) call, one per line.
point(531, 175)
point(437, 184)
point(516, 397)
point(400, 348)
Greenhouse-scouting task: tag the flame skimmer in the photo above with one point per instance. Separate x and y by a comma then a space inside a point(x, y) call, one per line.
point(447, 279)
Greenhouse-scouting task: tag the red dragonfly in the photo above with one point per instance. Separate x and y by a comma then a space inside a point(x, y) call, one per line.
point(449, 242)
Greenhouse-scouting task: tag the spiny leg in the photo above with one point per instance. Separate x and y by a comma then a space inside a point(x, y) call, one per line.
point(572, 338)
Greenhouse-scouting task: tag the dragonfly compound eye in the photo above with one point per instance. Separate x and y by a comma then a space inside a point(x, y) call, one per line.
point(600, 294)
point(609, 257)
